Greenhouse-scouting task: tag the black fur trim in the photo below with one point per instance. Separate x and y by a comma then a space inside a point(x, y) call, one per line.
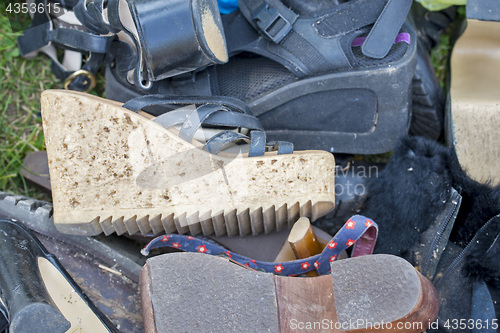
point(408, 194)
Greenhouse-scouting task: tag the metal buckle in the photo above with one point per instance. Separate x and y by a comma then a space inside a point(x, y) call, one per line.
point(81, 72)
point(269, 18)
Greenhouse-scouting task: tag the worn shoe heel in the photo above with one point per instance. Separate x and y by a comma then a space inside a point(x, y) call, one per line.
point(38, 294)
point(374, 293)
point(472, 110)
point(113, 170)
point(193, 39)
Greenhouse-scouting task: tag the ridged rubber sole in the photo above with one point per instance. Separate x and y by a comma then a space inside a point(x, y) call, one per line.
point(113, 170)
point(427, 99)
point(375, 293)
point(472, 111)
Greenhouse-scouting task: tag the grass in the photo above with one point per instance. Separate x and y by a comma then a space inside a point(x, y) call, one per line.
point(439, 57)
point(21, 132)
point(22, 81)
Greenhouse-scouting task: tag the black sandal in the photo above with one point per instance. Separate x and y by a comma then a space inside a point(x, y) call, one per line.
point(149, 49)
point(38, 293)
point(56, 27)
point(174, 38)
point(311, 78)
point(352, 63)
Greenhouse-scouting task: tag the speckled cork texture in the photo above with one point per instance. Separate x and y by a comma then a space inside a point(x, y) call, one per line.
point(113, 170)
point(185, 292)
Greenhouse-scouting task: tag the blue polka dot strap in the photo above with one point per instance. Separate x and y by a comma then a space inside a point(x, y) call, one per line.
point(359, 232)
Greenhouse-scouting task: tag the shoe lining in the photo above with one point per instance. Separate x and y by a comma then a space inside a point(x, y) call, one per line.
point(68, 301)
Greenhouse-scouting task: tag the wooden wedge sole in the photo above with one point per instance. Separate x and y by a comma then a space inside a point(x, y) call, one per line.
point(186, 292)
point(473, 109)
point(113, 170)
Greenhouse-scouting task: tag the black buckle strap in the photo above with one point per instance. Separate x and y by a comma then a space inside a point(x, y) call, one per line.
point(272, 23)
point(89, 80)
point(271, 17)
point(46, 30)
point(381, 38)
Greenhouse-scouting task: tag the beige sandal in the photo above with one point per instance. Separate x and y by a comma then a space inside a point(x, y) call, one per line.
point(114, 170)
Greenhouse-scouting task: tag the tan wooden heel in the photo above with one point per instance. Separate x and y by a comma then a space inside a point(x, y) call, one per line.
point(303, 241)
point(113, 170)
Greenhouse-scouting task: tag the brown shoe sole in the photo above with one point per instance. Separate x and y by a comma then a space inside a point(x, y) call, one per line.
point(188, 292)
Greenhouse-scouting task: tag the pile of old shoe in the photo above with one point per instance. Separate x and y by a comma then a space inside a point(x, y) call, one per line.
point(183, 201)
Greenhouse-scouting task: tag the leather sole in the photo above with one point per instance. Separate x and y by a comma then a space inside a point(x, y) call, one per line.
point(376, 293)
point(38, 292)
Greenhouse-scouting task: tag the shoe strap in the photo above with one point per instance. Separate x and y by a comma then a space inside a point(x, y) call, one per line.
point(45, 31)
point(310, 45)
point(141, 102)
point(271, 17)
point(226, 117)
point(295, 53)
point(433, 241)
point(215, 144)
point(90, 14)
point(213, 111)
point(358, 231)
point(257, 142)
point(380, 39)
point(284, 147)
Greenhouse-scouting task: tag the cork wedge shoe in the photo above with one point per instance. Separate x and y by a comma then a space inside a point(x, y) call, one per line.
point(182, 292)
point(115, 170)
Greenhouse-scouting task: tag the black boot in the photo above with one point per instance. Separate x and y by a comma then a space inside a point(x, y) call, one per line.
point(28, 304)
point(37, 291)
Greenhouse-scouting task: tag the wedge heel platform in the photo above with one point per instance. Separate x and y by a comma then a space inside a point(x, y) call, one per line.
point(114, 170)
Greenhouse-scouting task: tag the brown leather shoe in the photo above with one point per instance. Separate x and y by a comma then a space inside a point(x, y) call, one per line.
point(185, 292)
